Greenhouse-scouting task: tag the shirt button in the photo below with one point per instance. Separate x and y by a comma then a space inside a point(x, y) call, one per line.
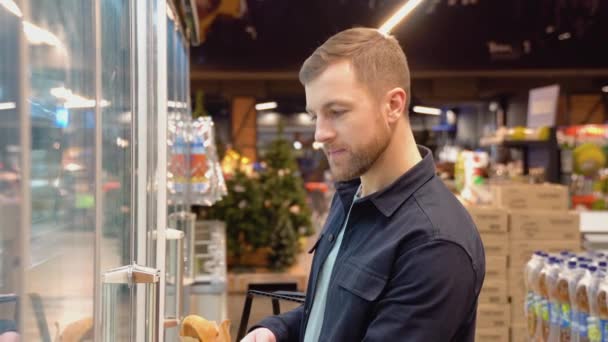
point(331, 237)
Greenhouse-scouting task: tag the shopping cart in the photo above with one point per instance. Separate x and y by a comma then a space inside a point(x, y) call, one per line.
point(275, 296)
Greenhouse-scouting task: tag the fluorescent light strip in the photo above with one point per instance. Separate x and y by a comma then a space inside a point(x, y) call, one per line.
point(12, 7)
point(427, 110)
point(7, 105)
point(177, 104)
point(401, 13)
point(38, 36)
point(266, 106)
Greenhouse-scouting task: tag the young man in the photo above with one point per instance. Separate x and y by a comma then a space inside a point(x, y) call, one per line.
point(399, 258)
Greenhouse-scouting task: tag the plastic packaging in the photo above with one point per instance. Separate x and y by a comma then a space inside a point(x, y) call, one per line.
point(577, 274)
point(602, 306)
point(552, 316)
point(583, 290)
point(207, 180)
point(531, 281)
point(563, 298)
point(593, 322)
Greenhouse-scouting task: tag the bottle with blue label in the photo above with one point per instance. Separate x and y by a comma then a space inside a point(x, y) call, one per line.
point(583, 303)
point(578, 274)
point(602, 306)
point(549, 309)
point(563, 298)
point(532, 304)
point(593, 322)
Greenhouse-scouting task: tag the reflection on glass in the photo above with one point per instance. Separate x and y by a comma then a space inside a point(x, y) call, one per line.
point(116, 306)
point(117, 168)
point(61, 108)
point(10, 167)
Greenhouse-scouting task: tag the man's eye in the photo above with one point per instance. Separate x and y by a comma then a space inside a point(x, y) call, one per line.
point(336, 112)
point(313, 118)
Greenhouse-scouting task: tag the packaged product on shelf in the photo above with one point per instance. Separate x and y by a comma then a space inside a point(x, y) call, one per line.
point(198, 158)
point(584, 290)
point(207, 181)
point(593, 322)
point(178, 155)
point(602, 306)
point(562, 295)
point(573, 281)
point(550, 313)
point(532, 304)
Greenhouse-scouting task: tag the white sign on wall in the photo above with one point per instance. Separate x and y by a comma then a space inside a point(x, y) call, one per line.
point(542, 106)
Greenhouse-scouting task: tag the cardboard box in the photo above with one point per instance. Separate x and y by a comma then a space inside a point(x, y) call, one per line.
point(531, 196)
point(516, 287)
point(517, 311)
point(544, 225)
point(519, 333)
point(496, 268)
point(489, 219)
point(492, 335)
point(521, 250)
point(494, 292)
point(493, 316)
point(495, 243)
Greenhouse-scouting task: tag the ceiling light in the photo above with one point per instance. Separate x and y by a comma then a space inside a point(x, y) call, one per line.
point(317, 145)
point(12, 7)
point(38, 36)
point(7, 105)
point(266, 106)
point(401, 13)
point(564, 36)
point(297, 145)
point(73, 101)
point(605, 89)
point(304, 119)
point(427, 110)
point(177, 104)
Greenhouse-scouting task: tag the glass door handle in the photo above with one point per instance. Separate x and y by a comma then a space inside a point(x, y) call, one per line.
point(128, 280)
point(131, 275)
point(175, 239)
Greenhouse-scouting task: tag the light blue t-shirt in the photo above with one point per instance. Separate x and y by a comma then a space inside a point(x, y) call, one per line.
point(317, 313)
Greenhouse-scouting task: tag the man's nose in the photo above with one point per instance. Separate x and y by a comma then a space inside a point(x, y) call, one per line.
point(324, 131)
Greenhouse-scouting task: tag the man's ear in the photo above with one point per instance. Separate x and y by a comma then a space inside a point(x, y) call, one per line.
point(395, 101)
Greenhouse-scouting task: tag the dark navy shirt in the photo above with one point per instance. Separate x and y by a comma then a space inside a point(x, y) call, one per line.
point(410, 266)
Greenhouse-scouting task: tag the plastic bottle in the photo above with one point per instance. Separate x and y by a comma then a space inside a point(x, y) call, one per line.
point(593, 322)
point(555, 305)
point(547, 281)
point(582, 301)
point(578, 274)
point(602, 307)
point(531, 305)
point(563, 297)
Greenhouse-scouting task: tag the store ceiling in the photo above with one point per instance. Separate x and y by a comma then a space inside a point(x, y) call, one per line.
point(277, 35)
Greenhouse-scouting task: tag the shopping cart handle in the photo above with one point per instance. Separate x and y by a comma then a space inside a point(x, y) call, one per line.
point(291, 296)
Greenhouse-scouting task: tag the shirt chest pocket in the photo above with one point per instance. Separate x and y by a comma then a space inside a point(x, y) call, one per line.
point(358, 280)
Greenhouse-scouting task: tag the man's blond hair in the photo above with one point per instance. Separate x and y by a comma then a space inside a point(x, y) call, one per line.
point(378, 60)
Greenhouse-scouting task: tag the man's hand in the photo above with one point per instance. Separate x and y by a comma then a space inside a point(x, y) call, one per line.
point(260, 335)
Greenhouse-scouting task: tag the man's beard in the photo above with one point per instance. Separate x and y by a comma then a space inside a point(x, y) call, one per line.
point(359, 162)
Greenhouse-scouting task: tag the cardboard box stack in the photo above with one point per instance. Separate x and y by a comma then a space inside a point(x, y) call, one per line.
point(539, 219)
point(493, 313)
point(525, 218)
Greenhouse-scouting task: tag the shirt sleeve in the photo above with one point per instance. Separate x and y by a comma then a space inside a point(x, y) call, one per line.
point(286, 326)
point(431, 296)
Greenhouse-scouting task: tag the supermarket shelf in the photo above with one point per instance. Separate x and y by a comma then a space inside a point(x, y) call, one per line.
point(594, 222)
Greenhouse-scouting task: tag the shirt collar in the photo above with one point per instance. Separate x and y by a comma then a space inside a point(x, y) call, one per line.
point(390, 198)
